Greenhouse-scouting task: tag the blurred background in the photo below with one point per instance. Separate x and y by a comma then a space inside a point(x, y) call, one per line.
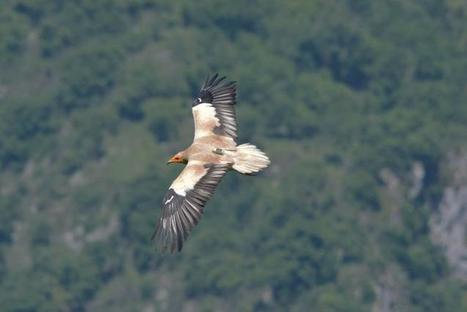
point(360, 104)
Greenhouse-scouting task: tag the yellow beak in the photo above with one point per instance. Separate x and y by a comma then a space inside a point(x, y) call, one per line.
point(172, 160)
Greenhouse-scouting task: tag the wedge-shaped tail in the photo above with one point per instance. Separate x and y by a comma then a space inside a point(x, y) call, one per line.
point(248, 159)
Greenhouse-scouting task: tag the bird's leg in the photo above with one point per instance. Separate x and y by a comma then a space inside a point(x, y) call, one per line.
point(218, 151)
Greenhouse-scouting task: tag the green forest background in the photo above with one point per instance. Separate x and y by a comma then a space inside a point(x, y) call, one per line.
point(361, 105)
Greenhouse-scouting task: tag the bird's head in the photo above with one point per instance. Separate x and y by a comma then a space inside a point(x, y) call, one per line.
point(178, 158)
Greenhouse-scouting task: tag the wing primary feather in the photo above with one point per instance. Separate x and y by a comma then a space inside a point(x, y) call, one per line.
point(221, 94)
point(181, 213)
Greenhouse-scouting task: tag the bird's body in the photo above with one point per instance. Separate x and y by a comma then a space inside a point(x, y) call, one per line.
point(214, 151)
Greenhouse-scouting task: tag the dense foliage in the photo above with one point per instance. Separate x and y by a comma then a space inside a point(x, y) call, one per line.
point(95, 96)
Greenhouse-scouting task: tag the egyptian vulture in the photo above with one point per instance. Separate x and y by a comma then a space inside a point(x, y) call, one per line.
point(212, 154)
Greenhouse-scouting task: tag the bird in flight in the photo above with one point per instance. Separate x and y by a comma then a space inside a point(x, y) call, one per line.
point(212, 154)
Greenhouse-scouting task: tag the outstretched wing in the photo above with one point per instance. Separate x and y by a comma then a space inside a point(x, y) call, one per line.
point(182, 206)
point(213, 109)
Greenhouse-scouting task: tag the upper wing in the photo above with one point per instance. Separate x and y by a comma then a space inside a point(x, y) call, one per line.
point(182, 206)
point(213, 109)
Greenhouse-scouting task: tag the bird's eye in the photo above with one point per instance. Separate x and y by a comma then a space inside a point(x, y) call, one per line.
point(198, 100)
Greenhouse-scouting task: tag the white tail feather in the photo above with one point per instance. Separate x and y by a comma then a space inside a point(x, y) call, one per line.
point(249, 159)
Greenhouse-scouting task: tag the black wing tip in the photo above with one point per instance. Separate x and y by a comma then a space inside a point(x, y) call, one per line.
point(166, 242)
point(213, 83)
point(166, 238)
point(217, 89)
point(180, 214)
point(179, 217)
